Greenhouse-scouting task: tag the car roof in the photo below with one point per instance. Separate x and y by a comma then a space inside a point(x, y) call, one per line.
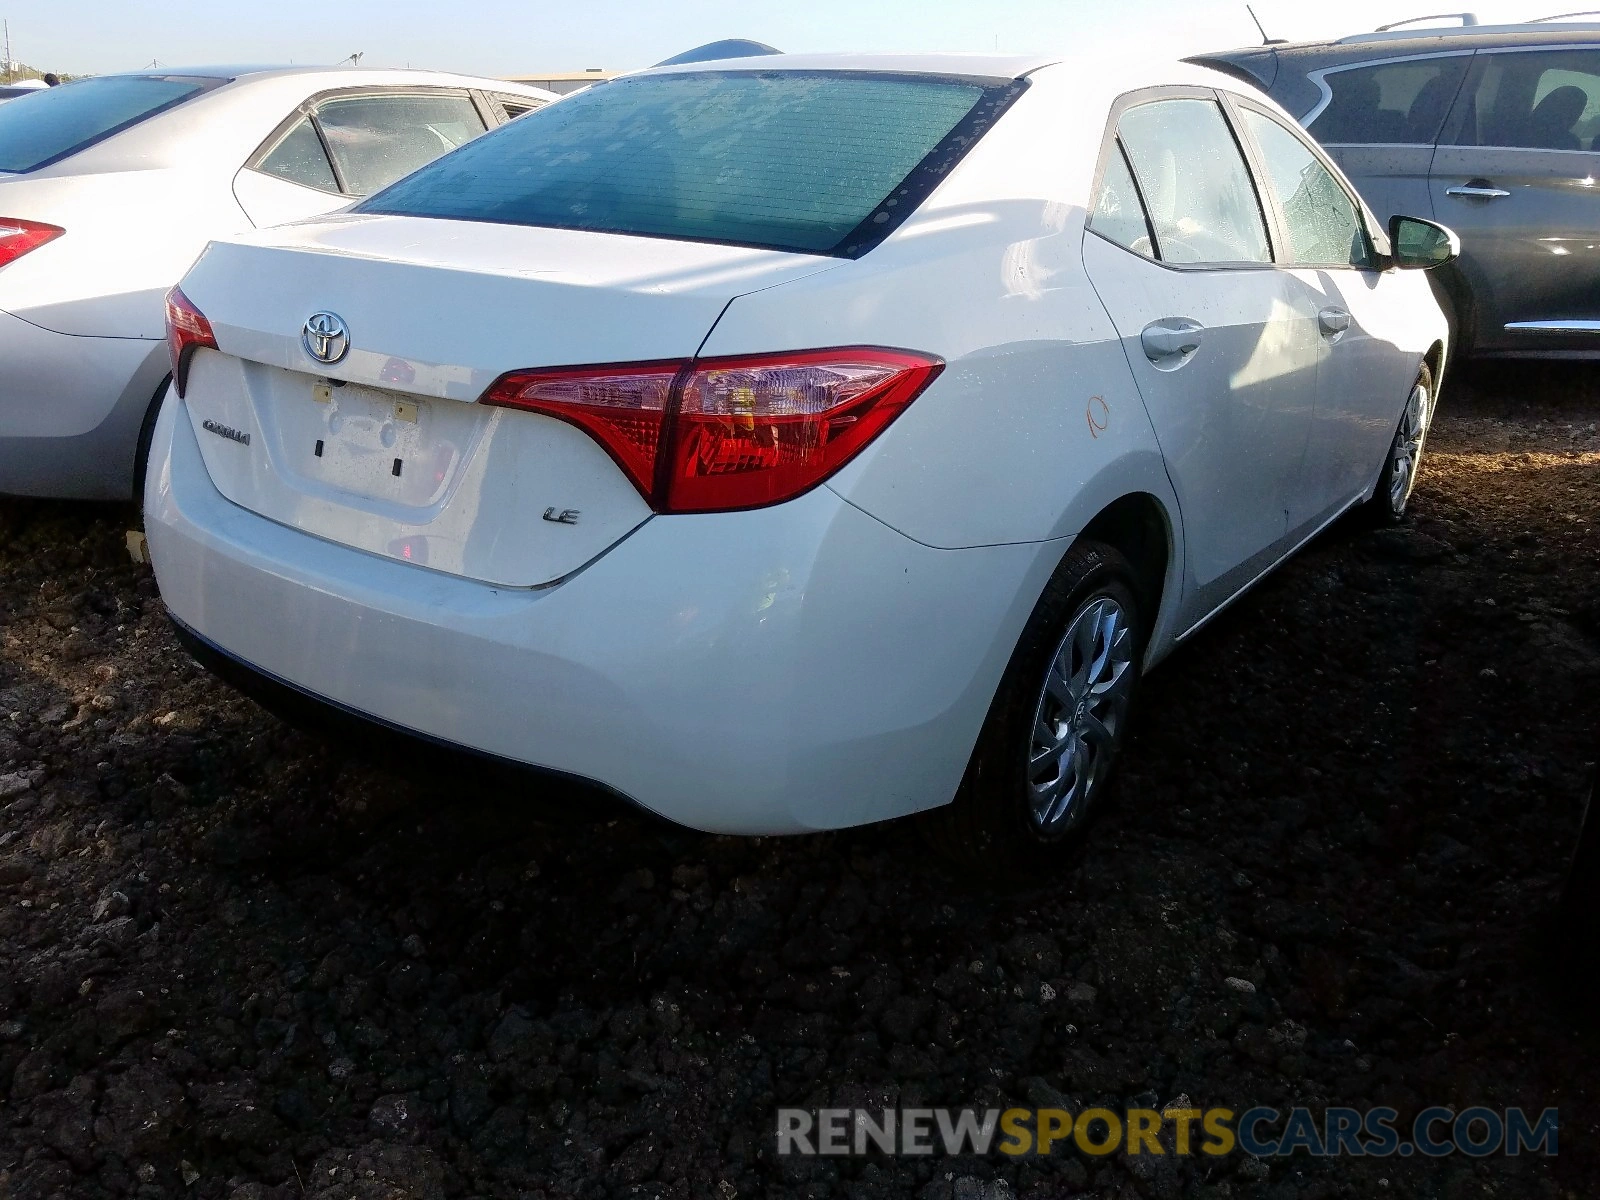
point(208, 70)
point(1400, 42)
point(986, 66)
point(1285, 68)
point(252, 72)
point(243, 105)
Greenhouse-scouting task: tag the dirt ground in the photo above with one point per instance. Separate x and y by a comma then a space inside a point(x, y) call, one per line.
point(235, 962)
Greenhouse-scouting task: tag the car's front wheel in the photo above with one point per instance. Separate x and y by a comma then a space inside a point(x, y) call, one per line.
point(1399, 475)
point(1047, 749)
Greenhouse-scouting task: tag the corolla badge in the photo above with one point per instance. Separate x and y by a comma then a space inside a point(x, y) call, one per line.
point(227, 431)
point(325, 337)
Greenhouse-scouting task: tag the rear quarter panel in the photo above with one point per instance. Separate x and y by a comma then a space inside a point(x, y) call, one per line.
point(138, 208)
point(129, 236)
point(1035, 423)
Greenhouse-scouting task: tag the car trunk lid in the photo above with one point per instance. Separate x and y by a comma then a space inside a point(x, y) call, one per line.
point(386, 449)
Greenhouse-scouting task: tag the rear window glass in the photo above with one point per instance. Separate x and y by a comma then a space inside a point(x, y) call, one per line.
point(816, 162)
point(55, 122)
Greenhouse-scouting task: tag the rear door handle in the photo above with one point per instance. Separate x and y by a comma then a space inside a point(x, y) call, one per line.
point(1171, 337)
point(1477, 189)
point(1333, 322)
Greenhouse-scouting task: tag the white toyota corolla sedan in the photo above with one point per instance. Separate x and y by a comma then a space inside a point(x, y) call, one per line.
point(795, 443)
point(109, 188)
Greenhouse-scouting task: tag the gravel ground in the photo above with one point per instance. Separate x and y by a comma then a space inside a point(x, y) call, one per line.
point(236, 963)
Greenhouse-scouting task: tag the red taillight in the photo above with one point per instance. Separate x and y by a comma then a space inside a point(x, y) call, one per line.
point(729, 433)
point(622, 407)
point(757, 430)
point(19, 237)
point(187, 330)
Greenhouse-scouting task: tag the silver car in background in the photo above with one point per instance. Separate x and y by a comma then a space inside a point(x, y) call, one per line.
point(111, 186)
point(1488, 129)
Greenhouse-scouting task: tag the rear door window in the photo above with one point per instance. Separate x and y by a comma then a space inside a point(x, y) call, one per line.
point(1201, 200)
point(512, 107)
point(300, 158)
point(1396, 103)
point(1119, 214)
point(377, 139)
point(1324, 226)
point(821, 162)
point(1535, 100)
point(51, 123)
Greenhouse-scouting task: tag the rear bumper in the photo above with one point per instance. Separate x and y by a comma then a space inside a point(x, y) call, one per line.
point(795, 668)
point(378, 739)
point(70, 410)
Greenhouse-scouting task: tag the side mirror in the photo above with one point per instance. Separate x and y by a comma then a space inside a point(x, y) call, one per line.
point(1418, 245)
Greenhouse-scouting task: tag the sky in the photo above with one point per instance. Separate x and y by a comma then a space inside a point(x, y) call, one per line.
point(527, 37)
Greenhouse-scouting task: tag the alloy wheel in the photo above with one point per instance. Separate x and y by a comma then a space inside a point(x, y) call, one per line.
point(1081, 711)
point(1407, 449)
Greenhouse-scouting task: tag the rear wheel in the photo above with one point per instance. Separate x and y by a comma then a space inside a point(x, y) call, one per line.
point(1051, 740)
point(1399, 477)
point(147, 430)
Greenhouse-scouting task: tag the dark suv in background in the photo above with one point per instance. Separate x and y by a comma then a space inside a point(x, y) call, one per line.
point(1489, 130)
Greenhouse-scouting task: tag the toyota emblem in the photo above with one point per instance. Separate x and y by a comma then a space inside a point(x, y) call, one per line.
point(325, 337)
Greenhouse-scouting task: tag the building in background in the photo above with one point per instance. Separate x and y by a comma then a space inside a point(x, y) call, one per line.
point(564, 82)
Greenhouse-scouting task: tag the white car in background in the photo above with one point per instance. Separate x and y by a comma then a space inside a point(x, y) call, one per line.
point(109, 188)
point(25, 87)
point(794, 443)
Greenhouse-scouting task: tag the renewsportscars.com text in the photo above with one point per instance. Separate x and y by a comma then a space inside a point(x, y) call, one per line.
point(1263, 1132)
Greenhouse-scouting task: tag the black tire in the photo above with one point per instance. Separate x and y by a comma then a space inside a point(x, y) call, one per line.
point(147, 431)
point(1390, 501)
point(1450, 289)
point(991, 825)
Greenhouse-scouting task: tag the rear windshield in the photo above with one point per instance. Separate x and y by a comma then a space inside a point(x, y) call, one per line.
point(810, 161)
point(52, 123)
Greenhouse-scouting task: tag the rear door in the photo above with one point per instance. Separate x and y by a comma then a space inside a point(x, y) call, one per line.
point(1179, 253)
point(1380, 122)
point(340, 147)
point(1515, 176)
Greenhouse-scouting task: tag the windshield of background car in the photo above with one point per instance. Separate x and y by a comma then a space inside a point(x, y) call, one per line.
point(811, 161)
point(54, 122)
